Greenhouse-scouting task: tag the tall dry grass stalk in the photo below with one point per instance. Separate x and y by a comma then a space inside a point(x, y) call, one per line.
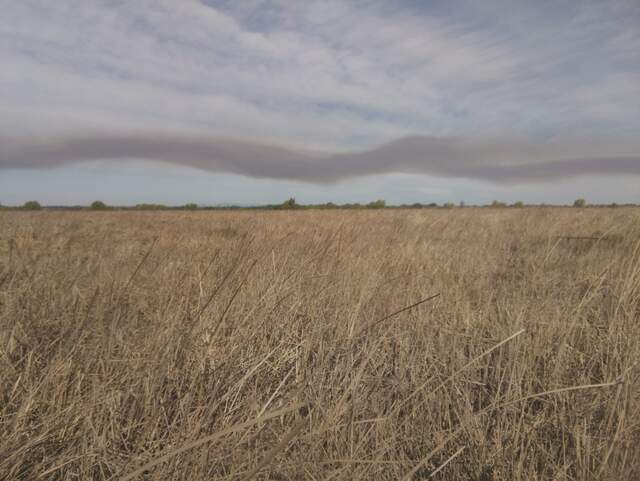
point(279, 345)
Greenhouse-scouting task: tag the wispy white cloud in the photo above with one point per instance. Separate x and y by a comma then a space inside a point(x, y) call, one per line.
point(323, 74)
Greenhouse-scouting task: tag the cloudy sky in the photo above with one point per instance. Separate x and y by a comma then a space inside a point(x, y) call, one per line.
point(254, 101)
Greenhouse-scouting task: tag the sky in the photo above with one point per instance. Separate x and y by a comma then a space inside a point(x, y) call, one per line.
point(255, 101)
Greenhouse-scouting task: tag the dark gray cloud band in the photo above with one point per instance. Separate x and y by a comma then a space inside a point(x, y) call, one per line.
point(501, 161)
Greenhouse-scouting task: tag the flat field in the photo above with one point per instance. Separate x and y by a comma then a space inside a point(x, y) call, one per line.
point(283, 345)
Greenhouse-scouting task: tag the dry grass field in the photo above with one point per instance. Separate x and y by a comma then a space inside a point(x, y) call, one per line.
point(276, 345)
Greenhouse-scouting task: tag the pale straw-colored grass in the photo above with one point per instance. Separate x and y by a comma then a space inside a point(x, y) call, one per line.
point(480, 344)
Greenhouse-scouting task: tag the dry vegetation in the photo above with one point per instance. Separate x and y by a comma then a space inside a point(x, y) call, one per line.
point(258, 345)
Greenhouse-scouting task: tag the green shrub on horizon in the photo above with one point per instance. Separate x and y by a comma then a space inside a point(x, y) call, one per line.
point(32, 205)
point(290, 204)
point(377, 204)
point(98, 205)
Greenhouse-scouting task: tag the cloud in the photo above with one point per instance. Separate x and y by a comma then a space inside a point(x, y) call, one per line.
point(329, 75)
point(500, 161)
point(327, 90)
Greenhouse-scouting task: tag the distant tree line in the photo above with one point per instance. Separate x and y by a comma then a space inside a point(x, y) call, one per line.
point(292, 204)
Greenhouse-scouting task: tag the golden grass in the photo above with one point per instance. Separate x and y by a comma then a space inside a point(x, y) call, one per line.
point(276, 345)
